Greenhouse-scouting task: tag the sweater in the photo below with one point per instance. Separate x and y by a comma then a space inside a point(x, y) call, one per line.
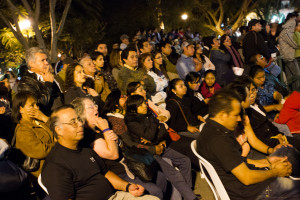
point(290, 114)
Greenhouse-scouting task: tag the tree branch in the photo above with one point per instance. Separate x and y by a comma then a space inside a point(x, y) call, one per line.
point(37, 10)
point(221, 17)
point(63, 18)
point(14, 8)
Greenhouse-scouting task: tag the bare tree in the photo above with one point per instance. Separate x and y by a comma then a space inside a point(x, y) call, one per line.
point(33, 11)
point(215, 16)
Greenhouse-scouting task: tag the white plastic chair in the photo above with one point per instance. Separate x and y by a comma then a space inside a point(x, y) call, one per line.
point(216, 185)
point(41, 184)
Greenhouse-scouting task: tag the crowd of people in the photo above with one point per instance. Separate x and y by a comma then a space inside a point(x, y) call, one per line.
point(156, 94)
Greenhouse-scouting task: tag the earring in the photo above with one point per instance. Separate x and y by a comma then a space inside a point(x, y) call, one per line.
point(174, 92)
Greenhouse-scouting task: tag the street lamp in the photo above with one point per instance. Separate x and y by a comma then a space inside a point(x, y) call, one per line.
point(24, 24)
point(184, 16)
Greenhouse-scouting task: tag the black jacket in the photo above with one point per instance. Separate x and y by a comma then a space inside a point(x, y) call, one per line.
point(253, 43)
point(145, 126)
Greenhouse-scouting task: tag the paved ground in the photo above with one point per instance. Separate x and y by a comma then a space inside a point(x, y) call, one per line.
point(201, 187)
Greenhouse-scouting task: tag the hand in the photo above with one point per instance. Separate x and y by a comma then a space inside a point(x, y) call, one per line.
point(145, 141)
point(162, 118)
point(192, 129)
point(245, 149)
point(92, 92)
point(278, 107)
point(159, 149)
point(136, 190)
point(201, 119)
point(35, 113)
point(282, 168)
point(206, 100)
point(282, 139)
point(246, 121)
point(2, 110)
point(111, 135)
point(101, 123)
point(48, 77)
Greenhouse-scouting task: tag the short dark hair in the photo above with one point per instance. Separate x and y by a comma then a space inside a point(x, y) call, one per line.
point(208, 41)
point(133, 102)
point(245, 80)
point(163, 44)
point(254, 70)
point(132, 87)
point(140, 44)
point(221, 101)
point(191, 77)
point(54, 118)
point(239, 88)
point(210, 71)
point(20, 100)
point(125, 53)
point(94, 55)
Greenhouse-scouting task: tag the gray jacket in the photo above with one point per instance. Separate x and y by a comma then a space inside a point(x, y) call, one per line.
point(286, 41)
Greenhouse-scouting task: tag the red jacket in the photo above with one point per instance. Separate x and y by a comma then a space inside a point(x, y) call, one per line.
point(290, 114)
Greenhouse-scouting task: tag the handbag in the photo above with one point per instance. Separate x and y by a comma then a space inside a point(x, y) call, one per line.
point(27, 163)
point(141, 163)
point(173, 134)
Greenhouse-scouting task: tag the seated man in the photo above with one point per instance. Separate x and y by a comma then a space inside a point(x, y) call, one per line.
point(217, 144)
point(70, 172)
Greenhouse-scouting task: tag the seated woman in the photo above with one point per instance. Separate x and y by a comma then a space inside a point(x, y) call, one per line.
point(100, 83)
point(199, 104)
point(133, 88)
point(158, 96)
point(200, 58)
point(144, 128)
point(267, 95)
point(75, 78)
point(209, 86)
point(105, 143)
point(264, 129)
point(182, 120)
point(272, 71)
point(114, 111)
point(33, 136)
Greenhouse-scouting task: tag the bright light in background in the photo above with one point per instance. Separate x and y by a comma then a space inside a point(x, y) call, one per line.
point(59, 55)
point(184, 16)
point(162, 26)
point(24, 24)
point(222, 25)
point(274, 19)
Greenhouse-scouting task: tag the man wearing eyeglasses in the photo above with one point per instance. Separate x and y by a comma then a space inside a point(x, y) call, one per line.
point(71, 172)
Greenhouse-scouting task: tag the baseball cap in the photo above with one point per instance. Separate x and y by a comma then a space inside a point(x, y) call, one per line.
point(124, 36)
point(187, 43)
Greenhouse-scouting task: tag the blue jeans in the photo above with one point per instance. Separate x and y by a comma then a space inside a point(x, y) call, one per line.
point(281, 188)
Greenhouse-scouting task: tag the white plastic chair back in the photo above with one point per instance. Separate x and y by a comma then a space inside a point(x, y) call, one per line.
point(41, 184)
point(216, 185)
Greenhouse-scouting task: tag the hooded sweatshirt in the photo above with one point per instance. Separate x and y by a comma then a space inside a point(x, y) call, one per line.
point(286, 41)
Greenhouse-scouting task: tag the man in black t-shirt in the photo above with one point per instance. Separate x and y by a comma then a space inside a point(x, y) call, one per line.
point(70, 172)
point(217, 144)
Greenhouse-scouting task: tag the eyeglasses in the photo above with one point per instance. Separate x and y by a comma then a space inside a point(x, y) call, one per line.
point(74, 122)
point(261, 57)
point(158, 57)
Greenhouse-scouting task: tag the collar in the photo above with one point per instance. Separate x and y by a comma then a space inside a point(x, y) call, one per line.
point(220, 128)
point(131, 68)
point(38, 76)
point(92, 77)
point(185, 56)
point(115, 114)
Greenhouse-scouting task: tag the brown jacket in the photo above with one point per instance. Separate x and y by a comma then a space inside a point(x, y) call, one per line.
point(35, 140)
